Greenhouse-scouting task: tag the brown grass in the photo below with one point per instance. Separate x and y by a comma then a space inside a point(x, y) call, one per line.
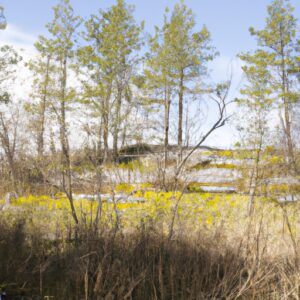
point(84, 263)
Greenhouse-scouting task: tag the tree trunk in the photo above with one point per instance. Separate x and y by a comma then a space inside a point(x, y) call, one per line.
point(105, 121)
point(65, 156)
point(9, 150)
point(288, 133)
point(41, 130)
point(98, 145)
point(180, 108)
point(187, 130)
point(285, 99)
point(117, 122)
point(167, 123)
point(253, 181)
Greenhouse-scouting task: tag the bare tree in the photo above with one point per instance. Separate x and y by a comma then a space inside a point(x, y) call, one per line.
point(220, 98)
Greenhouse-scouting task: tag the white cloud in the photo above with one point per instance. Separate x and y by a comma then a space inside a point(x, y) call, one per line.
point(23, 42)
point(14, 36)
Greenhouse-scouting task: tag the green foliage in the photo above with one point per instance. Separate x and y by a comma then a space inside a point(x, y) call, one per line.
point(109, 61)
point(114, 39)
point(209, 165)
point(271, 85)
point(59, 48)
point(194, 187)
point(189, 50)
point(63, 30)
point(177, 58)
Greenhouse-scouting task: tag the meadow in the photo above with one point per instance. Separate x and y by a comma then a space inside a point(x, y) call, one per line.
point(171, 246)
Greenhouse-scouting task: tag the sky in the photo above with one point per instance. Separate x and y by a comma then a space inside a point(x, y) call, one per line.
point(227, 20)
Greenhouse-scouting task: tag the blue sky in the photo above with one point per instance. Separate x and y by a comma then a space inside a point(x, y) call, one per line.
point(227, 20)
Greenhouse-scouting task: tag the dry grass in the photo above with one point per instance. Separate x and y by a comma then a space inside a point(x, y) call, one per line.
point(227, 257)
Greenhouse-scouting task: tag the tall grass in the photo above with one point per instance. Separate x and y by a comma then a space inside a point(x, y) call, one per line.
point(84, 262)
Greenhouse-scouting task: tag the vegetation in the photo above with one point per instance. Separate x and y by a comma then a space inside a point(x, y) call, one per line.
point(225, 253)
point(103, 167)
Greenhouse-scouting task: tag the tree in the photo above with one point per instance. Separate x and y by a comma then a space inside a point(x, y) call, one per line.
point(159, 79)
point(9, 60)
point(219, 96)
point(276, 43)
point(42, 68)
point(256, 102)
point(175, 62)
point(111, 58)
point(61, 48)
point(189, 52)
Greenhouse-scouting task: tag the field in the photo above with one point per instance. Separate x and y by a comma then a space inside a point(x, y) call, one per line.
point(172, 246)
